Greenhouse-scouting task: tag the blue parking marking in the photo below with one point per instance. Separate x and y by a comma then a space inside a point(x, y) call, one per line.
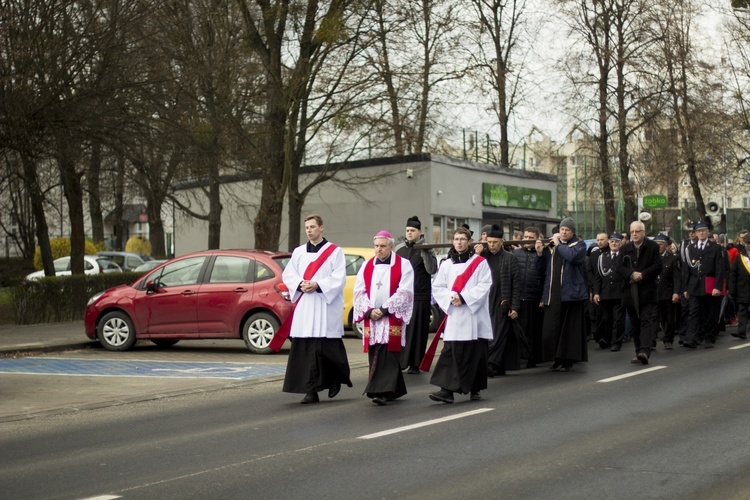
point(117, 368)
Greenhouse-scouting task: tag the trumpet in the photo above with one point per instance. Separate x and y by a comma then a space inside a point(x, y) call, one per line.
point(508, 243)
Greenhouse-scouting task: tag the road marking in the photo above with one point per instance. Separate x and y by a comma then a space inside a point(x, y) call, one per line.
point(741, 346)
point(103, 497)
point(639, 372)
point(424, 424)
point(76, 367)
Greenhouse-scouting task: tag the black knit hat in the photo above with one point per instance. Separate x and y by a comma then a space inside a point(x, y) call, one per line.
point(413, 221)
point(495, 232)
point(466, 226)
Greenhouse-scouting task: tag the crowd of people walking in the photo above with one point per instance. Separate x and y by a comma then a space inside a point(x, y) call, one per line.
point(539, 301)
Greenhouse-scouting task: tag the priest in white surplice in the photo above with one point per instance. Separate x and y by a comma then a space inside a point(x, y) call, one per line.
point(383, 299)
point(461, 289)
point(316, 275)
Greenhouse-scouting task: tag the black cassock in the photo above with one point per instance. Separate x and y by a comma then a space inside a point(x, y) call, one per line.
point(509, 343)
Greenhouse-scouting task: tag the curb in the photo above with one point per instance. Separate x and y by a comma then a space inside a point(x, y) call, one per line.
point(17, 352)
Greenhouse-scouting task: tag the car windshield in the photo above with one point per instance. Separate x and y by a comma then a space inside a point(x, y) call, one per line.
point(353, 263)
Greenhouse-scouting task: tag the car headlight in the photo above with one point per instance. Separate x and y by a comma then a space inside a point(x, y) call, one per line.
point(94, 298)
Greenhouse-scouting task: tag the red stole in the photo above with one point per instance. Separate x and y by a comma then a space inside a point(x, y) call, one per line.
point(283, 332)
point(457, 287)
point(394, 324)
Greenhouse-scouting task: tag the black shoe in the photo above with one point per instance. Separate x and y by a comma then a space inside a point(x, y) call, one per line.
point(564, 368)
point(443, 395)
point(555, 366)
point(602, 344)
point(413, 370)
point(668, 346)
point(475, 396)
point(310, 397)
point(642, 357)
point(335, 388)
point(689, 344)
point(615, 347)
point(379, 400)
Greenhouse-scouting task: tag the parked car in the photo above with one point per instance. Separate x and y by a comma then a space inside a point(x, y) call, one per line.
point(355, 258)
point(128, 261)
point(91, 265)
point(149, 265)
point(214, 294)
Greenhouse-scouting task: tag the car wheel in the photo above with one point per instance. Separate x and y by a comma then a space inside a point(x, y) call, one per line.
point(165, 342)
point(116, 332)
point(258, 331)
point(436, 316)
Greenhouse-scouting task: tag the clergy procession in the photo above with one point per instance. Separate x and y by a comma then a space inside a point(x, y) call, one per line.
point(540, 302)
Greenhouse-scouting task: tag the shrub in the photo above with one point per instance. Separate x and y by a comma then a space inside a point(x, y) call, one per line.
point(61, 248)
point(138, 244)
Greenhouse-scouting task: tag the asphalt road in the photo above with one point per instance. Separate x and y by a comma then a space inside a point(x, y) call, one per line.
point(677, 428)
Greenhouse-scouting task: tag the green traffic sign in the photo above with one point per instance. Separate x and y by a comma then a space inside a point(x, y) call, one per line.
point(655, 201)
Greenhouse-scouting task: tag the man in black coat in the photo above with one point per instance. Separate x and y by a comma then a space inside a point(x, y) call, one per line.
point(703, 275)
point(668, 290)
point(739, 285)
point(608, 295)
point(424, 264)
point(531, 314)
point(639, 265)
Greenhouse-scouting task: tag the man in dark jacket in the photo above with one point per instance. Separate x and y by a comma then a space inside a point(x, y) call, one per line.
point(594, 310)
point(531, 314)
point(703, 276)
point(505, 301)
point(668, 290)
point(424, 264)
point(639, 265)
point(608, 295)
point(564, 297)
point(739, 286)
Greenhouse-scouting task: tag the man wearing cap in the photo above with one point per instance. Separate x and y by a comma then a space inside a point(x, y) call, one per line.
point(608, 295)
point(424, 264)
point(461, 289)
point(316, 276)
point(383, 298)
point(505, 301)
point(593, 310)
point(564, 298)
point(739, 286)
point(639, 264)
point(668, 290)
point(703, 284)
point(682, 253)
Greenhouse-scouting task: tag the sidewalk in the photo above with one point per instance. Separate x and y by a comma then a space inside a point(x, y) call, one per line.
point(46, 337)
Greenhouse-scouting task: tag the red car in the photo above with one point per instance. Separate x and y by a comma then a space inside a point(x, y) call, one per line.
point(215, 294)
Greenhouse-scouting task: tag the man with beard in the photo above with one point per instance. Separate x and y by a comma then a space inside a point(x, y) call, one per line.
point(461, 289)
point(383, 299)
point(531, 314)
point(564, 297)
point(424, 264)
point(505, 301)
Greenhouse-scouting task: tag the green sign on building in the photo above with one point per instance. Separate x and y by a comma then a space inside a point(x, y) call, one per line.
point(655, 201)
point(497, 195)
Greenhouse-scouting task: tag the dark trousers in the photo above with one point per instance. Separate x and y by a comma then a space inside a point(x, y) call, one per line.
point(613, 318)
point(684, 320)
point(703, 318)
point(742, 318)
point(643, 326)
point(668, 311)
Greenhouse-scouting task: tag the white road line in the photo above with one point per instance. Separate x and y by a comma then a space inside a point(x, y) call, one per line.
point(741, 346)
point(639, 372)
point(103, 497)
point(424, 424)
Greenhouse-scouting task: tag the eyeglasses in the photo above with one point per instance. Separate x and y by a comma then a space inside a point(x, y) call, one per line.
point(460, 239)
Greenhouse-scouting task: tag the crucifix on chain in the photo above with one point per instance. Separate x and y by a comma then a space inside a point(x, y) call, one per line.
point(379, 284)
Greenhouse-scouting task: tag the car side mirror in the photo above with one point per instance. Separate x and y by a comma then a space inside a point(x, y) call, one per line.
point(151, 286)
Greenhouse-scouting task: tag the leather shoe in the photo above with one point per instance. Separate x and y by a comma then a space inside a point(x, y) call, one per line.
point(642, 357)
point(413, 370)
point(475, 396)
point(379, 400)
point(635, 361)
point(444, 396)
point(602, 344)
point(615, 347)
point(689, 344)
point(335, 388)
point(668, 346)
point(310, 397)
